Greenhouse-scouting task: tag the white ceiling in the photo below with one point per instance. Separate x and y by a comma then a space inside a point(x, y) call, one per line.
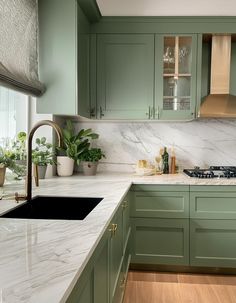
point(167, 7)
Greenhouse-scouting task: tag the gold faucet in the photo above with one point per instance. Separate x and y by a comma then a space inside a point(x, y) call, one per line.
point(58, 131)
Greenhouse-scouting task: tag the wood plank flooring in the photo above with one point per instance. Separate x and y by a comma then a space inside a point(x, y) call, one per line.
point(154, 287)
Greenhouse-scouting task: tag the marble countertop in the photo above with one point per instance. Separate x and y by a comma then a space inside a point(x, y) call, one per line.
point(41, 260)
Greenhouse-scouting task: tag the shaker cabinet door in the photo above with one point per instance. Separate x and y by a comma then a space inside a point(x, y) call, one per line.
point(125, 76)
point(175, 70)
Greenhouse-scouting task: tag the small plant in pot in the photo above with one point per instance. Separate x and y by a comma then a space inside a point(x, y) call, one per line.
point(74, 144)
point(89, 160)
point(20, 155)
point(4, 163)
point(19, 148)
point(42, 156)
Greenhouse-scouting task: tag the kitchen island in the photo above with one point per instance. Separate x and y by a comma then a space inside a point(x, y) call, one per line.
point(41, 260)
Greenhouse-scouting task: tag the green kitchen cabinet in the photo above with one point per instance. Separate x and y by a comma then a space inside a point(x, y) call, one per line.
point(213, 205)
point(126, 222)
point(116, 252)
point(213, 243)
point(160, 241)
point(103, 279)
point(101, 274)
point(120, 250)
point(213, 226)
point(175, 77)
point(93, 284)
point(64, 46)
point(125, 76)
point(127, 87)
point(160, 224)
point(161, 204)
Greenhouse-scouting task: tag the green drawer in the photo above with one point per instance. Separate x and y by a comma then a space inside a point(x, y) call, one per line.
point(213, 243)
point(160, 241)
point(213, 188)
point(160, 204)
point(213, 205)
point(154, 187)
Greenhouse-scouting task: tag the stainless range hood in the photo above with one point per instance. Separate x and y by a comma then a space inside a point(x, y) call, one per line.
point(219, 104)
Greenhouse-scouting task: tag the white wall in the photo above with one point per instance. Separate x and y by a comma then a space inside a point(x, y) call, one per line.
point(167, 8)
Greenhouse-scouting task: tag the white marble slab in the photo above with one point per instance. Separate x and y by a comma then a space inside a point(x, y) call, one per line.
point(41, 260)
point(197, 143)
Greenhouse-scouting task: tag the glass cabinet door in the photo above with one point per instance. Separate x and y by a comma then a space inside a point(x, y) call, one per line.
point(175, 91)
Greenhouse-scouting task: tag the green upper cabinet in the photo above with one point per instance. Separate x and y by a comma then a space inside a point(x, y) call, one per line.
point(64, 58)
point(125, 76)
point(139, 78)
point(175, 77)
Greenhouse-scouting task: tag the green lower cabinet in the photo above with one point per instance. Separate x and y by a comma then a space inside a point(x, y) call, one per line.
point(160, 204)
point(116, 252)
point(101, 275)
point(87, 293)
point(160, 241)
point(83, 290)
point(213, 243)
point(213, 205)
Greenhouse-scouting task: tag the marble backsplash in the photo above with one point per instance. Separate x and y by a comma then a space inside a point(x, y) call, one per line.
point(197, 143)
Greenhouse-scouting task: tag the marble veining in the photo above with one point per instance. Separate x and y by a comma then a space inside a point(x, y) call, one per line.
point(41, 260)
point(197, 143)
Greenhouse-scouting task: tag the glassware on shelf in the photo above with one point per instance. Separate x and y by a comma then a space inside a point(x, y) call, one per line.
point(177, 57)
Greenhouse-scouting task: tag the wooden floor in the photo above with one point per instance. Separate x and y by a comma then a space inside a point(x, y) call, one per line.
point(154, 287)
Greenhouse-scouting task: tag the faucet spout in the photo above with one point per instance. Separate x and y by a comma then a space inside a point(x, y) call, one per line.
point(29, 152)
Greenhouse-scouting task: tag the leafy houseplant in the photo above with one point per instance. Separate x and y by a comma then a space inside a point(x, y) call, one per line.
point(7, 160)
point(42, 156)
point(74, 144)
point(19, 154)
point(19, 147)
point(90, 158)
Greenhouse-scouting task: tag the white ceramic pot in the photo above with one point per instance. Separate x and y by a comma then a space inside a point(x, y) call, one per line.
point(65, 166)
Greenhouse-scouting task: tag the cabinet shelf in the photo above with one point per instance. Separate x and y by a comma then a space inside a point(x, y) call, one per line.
point(178, 75)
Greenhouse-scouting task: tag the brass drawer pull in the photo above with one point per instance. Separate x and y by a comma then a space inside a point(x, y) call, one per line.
point(113, 229)
point(125, 204)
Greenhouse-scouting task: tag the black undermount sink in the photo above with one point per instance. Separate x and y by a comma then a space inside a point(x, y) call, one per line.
point(56, 208)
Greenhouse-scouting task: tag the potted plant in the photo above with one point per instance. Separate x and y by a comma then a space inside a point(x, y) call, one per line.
point(4, 163)
point(73, 145)
point(89, 159)
point(19, 148)
point(19, 154)
point(42, 155)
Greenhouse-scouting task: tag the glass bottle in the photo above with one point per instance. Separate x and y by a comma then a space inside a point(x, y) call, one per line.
point(165, 158)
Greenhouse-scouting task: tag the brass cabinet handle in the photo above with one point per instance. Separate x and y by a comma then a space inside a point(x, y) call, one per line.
point(157, 112)
point(122, 282)
point(149, 112)
point(124, 204)
point(92, 112)
point(113, 229)
point(101, 113)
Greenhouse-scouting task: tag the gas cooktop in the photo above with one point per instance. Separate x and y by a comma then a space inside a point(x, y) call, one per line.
point(212, 172)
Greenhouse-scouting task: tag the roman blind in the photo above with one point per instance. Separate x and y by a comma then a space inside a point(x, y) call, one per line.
point(18, 46)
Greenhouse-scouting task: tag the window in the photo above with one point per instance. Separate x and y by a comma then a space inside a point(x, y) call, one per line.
point(13, 115)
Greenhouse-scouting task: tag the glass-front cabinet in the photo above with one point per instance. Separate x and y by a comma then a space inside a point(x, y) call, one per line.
point(175, 77)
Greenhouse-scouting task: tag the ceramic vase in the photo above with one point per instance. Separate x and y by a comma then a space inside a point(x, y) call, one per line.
point(65, 166)
point(89, 168)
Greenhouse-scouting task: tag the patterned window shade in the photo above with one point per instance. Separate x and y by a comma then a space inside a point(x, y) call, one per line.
point(18, 46)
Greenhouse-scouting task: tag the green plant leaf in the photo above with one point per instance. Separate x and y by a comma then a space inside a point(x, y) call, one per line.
point(43, 140)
